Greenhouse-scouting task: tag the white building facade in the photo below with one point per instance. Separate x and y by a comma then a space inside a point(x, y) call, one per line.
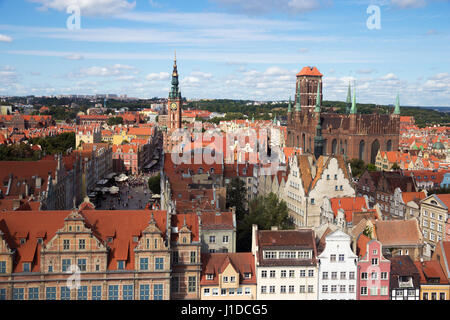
point(337, 269)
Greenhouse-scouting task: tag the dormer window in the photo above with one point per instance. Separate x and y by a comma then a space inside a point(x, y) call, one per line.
point(225, 279)
point(209, 276)
point(26, 267)
point(232, 279)
point(135, 239)
point(23, 241)
point(247, 275)
point(109, 239)
point(40, 241)
point(120, 265)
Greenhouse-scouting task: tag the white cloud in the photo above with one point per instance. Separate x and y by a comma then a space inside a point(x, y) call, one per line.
point(162, 76)
point(74, 57)
point(5, 38)
point(264, 6)
point(389, 76)
point(409, 4)
point(365, 71)
point(89, 7)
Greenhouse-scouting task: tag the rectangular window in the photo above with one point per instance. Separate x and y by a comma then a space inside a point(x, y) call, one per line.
point(26, 267)
point(333, 288)
point(66, 244)
point(82, 264)
point(283, 289)
point(82, 244)
point(175, 284)
point(225, 279)
point(192, 284)
point(175, 257)
point(225, 239)
point(325, 275)
point(283, 273)
point(96, 292)
point(65, 265)
point(343, 275)
point(120, 265)
point(341, 258)
point(374, 275)
point(127, 292)
point(384, 291)
point(433, 296)
point(310, 289)
point(272, 289)
point(2, 266)
point(442, 296)
point(50, 293)
point(143, 264)
point(264, 274)
point(351, 275)
point(375, 261)
point(270, 255)
point(144, 292)
point(113, 292)
point(206, 292)
point(291, 273)
point(291, 289)
point(82, 293)
point(310, 273)
point(272, 273)
point(193, 256)
point(364, 291)
point(342, 288)
point(373, 291)
point(364, 276)
point(18, 293)
point(302, 289)
point(324, 289)
point(333, 258)
point(263, 289)
point(302, 273)
point(159, 263)
point(65, 293)
point(351, 288)
point(247, 290)
point(384, 276)
point(231, 291)
point(33, 293)
point(2, 294)
point(334, 275)
point(232, 279)
point(425, 296)
point(212, 239)
point(157, 292)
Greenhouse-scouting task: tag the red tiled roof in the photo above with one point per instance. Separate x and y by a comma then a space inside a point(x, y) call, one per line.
point(215, 263)
point(309, 71)
point(431, 269)
point(217, 221)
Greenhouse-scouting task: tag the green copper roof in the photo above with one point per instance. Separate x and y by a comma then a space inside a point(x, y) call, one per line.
point(297, 103)
point(349, 98)
point(353, 109)
point(397, 105)
point(318, 105)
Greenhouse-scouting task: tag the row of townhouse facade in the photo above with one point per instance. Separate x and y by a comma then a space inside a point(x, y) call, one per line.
point(287, 265)
point(87, 254)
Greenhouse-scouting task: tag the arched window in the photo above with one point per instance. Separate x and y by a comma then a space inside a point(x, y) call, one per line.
point(362, 146)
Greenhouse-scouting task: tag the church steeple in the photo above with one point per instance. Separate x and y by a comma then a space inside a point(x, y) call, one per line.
point(397, 105)
point(353, 109)
point(318, 102)
point(318, 139)
point(349, 98)
point(297, 103)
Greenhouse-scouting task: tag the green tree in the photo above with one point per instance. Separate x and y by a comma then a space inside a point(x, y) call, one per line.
point(266, 212)
point(371, 167)
point(237, 197)
point(154, 184)
point(395, 166)
point(357, 166)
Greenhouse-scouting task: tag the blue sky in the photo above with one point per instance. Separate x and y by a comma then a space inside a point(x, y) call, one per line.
point(227, 48)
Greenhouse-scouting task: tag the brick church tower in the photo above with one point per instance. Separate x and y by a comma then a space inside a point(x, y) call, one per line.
point(352, 135)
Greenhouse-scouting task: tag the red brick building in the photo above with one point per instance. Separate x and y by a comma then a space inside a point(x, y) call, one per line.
point(352, 134)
